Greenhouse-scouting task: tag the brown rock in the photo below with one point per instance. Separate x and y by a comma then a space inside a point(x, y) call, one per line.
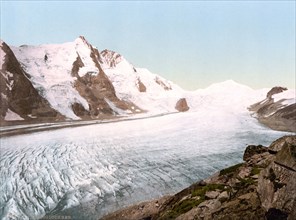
point(212, 194)
point(275, 90)
point(141, 86)
point(223, 196)
point(276, 183)
point(252, 150)
point(181, 105)
point(271, 196)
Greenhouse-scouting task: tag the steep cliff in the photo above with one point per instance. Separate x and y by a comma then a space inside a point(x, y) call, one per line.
point(19, 99)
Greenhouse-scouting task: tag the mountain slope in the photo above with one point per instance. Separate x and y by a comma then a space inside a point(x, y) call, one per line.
point(79, 82)
point(19, 99)
point(63, 74)
point(149, 91)
point(277, 110)
point(75, 81)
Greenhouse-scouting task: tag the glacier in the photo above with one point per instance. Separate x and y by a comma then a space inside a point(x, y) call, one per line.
point(86, 172)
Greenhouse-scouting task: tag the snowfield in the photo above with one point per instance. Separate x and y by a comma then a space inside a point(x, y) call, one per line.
point(88, 171)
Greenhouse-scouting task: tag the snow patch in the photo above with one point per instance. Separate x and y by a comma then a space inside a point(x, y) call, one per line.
point(12, 116)
point(116, 109)
point(8, 76)
point(287, 97)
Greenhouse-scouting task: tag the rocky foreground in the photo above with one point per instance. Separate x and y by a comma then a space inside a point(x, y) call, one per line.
point(263, 187)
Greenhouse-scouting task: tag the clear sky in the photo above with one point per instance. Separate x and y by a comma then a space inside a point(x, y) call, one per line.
point(192, 43)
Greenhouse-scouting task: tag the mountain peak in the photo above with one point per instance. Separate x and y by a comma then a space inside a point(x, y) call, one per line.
point(111, 58)
point(228, 84)
point(82, 40)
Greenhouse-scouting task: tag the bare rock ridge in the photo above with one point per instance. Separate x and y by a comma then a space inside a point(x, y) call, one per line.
point(262, 187)
point(275, 90)
point(18, 96)
point(95, 88)
point(278, 114)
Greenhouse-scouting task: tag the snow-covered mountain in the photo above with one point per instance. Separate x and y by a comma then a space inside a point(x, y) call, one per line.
point(75, 81)
point(79, 82)
point(19, 99)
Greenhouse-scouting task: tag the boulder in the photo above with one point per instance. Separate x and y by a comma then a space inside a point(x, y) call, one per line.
point(181, 105)
point(252, 150)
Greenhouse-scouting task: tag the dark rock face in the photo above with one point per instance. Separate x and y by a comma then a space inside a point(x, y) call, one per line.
point(252, 150)
point(276, 115)
point(276, 184)
point(112, 58)
point(141, 86)
point(263, 187)
point(181, 105)
point(275, 90)
point(97, 88)
point(276, 214)
point(18, 93)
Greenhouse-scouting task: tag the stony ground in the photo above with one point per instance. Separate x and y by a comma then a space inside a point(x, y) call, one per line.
point(263, 187)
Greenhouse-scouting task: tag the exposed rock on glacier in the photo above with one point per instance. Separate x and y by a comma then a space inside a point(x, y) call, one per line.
point(181, 105)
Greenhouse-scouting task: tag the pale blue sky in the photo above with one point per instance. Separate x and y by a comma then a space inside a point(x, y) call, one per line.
point(193, 43)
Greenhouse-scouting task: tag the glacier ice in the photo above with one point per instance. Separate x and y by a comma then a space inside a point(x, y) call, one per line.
point(91, 170)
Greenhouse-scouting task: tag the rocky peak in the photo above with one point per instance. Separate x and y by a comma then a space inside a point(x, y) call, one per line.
point(111, 58)
point(275, 90)
point(82, 39)
point(165, 85)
